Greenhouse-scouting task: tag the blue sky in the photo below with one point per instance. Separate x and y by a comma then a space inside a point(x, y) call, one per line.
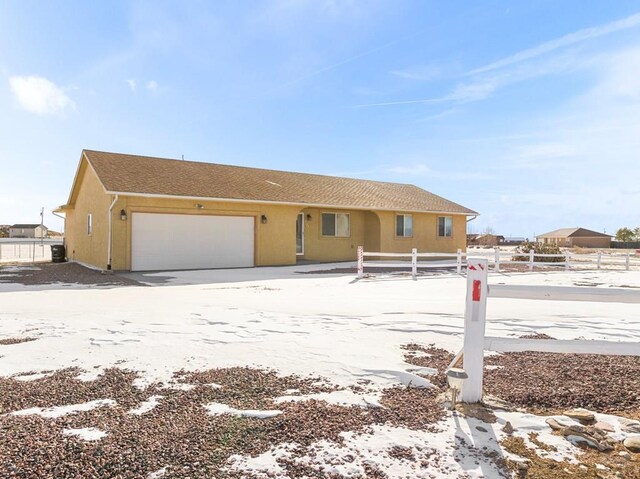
point(528, 112)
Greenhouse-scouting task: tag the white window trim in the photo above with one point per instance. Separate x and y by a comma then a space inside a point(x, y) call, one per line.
point(335, 214)
point(445, 227)
point(89, 224)
point(404, 235)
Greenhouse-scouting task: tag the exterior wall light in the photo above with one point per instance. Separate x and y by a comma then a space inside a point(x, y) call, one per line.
point(308, 217)
point(199, 206)
point(455, 378)
point(123, 215)
point(263, 219)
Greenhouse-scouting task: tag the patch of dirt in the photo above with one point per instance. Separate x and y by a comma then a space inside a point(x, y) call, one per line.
point(65, 273)
point(549, 383)
point(539, 468)
point(8, 341)
point(179, 433)
point(373, 271)
point(552, 382)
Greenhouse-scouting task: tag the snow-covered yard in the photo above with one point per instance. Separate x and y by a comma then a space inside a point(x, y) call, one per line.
point(331, 326)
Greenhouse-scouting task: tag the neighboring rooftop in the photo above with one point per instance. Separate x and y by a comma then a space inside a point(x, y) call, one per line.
point(132, 174)
point(572, 233)
point(28, 226)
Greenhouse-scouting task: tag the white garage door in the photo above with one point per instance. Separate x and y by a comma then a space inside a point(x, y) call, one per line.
point(166, 242)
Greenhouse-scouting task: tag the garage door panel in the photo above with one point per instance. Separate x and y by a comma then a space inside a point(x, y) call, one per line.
point(168, 241)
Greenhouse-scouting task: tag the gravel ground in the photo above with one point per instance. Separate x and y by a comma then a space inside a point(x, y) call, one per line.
point(178, 433)
point(8, 341)
point(551, 382)
point(68, 273)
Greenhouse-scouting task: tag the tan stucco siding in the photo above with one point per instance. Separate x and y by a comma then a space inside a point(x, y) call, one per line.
point(274, 240)
point(425, 234)
point(376, 231)
point(325, 248)
point(90, 199)
point(591, 242)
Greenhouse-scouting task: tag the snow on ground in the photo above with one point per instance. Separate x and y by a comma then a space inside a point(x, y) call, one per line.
point(146, 406)
point(333, 326)
point(440, 454)
point(59, 411)
point(217, 408)
point(330, 325)
point(86, 433)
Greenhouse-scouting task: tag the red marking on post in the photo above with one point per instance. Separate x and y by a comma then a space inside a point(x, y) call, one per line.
point(472, 267)
point(476, 290)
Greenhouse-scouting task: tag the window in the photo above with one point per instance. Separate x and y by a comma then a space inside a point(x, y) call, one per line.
point(89, 224)
point(445, 226)
point(404, 226)
point(336, 224)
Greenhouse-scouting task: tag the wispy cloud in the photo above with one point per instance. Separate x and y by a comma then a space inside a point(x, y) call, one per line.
point(486, 80)
point(420, 74)
point(132, 85)
point(39, 95)
point(152, 86)
point(631, 21)
point(412, 170)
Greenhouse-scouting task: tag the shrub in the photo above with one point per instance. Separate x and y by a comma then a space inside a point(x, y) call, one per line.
point(539, 248)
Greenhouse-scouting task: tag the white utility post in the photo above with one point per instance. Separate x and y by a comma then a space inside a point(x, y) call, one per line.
point(531, 253)
point(497, 260)
point(567, 260)
point(459, 261)
point(414, 263)
point(475, 316)
point(628, 262)
point(360, 261)
point(599, 258)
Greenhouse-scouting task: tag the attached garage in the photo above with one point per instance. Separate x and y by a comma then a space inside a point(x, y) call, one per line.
point(183, 241)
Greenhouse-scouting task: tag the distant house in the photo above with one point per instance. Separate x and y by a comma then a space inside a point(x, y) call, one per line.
point(513, 240)
point(28, 231)
point(572, 237)
point(489, 239)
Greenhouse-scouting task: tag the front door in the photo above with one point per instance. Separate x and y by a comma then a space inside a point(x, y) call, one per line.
point(300, 235)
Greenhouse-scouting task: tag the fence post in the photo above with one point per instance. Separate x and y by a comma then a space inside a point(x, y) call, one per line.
point(567, 260)
point(531, 253)
point(475, 316)
point(414, 263)
point(599, 258)
point(628, 261)
point(459, 262)
point(497, 260)
point(360, 262)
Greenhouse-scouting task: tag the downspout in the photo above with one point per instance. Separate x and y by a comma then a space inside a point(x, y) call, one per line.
point(115, 198)
point(62, 218)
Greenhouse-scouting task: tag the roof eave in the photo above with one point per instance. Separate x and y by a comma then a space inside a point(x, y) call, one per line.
point(287, 203)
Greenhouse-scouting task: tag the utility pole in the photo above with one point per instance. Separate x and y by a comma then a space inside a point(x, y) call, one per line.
point(42, 225)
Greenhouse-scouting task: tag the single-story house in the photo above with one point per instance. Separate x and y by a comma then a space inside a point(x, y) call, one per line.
point(574, 237)
point(27, 231)
point(138, 213)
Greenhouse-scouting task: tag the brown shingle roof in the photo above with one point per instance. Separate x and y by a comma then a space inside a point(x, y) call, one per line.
point(572, 233)
point(156, 176)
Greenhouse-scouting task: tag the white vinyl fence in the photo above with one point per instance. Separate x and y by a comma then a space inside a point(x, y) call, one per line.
point(475, 341)
point(26, 250)
point(567, 259)
point(437, 260)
